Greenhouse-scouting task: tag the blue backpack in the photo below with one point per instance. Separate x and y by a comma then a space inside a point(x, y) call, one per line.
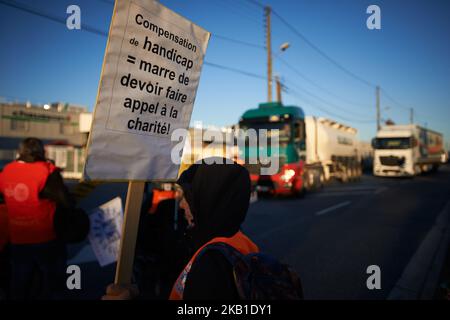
point(259, 276)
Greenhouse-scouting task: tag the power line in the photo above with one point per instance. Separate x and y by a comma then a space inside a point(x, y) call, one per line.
point(238, 7)
point(306, 91)
point(215, 65)
point(254, 45)
point(96, 31)
point(295, 70)
point(235, 12)
point(312, 45)
point(393, 100)
point(101, 32)
point(322, 53)
point(246, 6)
point(330, 113)
point(24, 8)
point(326, 101)
point(402, 106)
point(256, 3)
point(337, 64)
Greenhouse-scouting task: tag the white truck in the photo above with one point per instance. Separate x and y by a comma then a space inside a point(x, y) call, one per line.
point(406, 150)
point(333, 146)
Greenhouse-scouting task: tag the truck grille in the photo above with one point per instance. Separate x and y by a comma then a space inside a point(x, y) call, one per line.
point(256, 168)
point(392, 161)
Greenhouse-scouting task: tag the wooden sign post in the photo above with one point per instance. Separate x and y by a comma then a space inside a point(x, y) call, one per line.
point(125, 261)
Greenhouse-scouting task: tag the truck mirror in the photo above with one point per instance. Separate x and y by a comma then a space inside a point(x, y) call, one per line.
point(302, 145)
point(374, 143)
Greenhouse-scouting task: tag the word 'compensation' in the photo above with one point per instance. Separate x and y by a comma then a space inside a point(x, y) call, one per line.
point(141, 21)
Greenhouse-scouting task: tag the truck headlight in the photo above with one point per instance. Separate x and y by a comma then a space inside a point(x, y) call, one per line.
point(288, 175)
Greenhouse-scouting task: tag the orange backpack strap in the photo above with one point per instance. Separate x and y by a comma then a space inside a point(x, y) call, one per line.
point(239, 241)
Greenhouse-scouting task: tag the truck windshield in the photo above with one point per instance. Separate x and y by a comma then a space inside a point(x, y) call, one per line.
point(283, 127)
point(392, 143)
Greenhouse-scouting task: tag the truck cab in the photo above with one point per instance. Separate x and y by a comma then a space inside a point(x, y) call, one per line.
point(395, 153)
point(291, 153)
point(406, 150)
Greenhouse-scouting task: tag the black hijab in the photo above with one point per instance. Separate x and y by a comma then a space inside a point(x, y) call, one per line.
point(218, 195)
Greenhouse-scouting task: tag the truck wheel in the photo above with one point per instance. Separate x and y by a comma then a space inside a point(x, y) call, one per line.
point(344, 175)
point(299, 192)
point(417, 170)
point(263, 195)
point(306, 183)
point(321, 180)
point(351, 174)
point(355, 175)
point(304, 188)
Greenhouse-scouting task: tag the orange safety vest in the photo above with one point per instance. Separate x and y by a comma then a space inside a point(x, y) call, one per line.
point(30, 218)
point(239, 241)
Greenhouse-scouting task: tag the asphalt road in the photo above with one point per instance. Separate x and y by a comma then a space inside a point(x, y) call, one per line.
point(330, 236)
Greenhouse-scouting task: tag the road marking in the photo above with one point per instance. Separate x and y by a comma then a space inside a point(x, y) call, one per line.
point(340, 205)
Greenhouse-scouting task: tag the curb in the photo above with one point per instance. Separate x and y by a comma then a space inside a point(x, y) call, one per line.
point(420, 278)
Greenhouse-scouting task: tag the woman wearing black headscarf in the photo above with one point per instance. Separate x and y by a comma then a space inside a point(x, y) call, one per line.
point(217, 197)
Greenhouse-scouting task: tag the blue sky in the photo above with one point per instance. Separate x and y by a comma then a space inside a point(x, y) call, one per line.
point(42, 61)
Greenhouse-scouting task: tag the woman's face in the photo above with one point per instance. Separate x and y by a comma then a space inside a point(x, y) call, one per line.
point(185, 206)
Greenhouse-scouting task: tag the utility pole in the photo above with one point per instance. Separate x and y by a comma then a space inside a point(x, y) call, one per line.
point(278, 85)
point(267, 11)
point(377, 94)
point(411, 116)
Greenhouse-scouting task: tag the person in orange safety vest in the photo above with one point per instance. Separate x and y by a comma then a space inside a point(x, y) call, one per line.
point(32, 188)
point(215, 198)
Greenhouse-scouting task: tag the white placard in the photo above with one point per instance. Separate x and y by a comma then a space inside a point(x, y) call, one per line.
point(147, 90)
point(106, 230)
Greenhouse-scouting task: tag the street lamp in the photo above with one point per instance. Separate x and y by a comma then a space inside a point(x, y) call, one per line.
point(283, 48)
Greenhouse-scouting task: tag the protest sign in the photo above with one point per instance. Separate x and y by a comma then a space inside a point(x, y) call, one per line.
point(150, 75)
point(147, 89)
point(106, 229)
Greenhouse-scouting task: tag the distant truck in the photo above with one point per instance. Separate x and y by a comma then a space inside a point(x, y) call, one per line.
point(334, 146)
point(311, 150)
point(406, 150)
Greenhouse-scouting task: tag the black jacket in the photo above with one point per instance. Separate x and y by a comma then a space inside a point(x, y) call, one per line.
point(218, 195)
